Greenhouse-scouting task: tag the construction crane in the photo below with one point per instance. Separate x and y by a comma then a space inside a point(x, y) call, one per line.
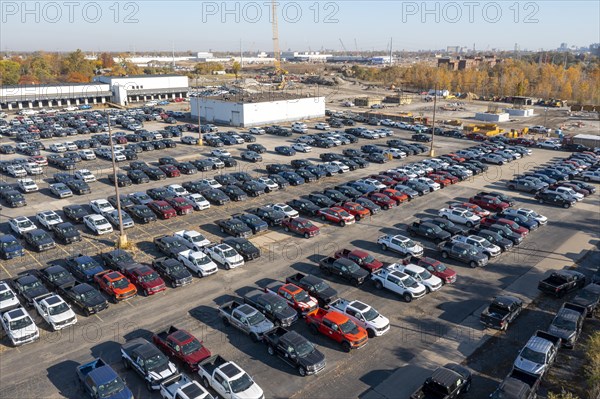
point(343, 47)
point(279, 71)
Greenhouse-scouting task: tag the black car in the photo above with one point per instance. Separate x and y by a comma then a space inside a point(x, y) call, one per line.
point(421, 137)
point(271, 216)
point(335, 195)
point(158, 193)
point(252, 188)
point(234, 192)
point(321, 200)
point(186, 168)
point(169, 143)
point(138, 165)
point(242, 176)
point(167, 161)
point(86, 298)
point(306, 175)
point(502, 197)
point(66, 233)
point(125, 201)
point(317, 170)
point(39, 240)
point(117, 259)
point(29, 287)
point(154, 173)
point(229, 162)
point(234, 227)
point(285, 150)
point(56, 276)
point(315, 286)
point(243, 247)
point(370, 205)
point(362, 163)
point(226, 179)
point(292, 177)
point(304, 206)
point(446, 225)
point(554, 198)
point(495, 238)
point(196, 186)
point(348, 191)
point(274, 307)
point(142, 213)
point(506, 232)
point(173, 271)
point(74, 212)
point(377, 158)
point(138, 176)
point(122, 179)
point(275, 168)
point(350, 164)
point(259, 148)
point(216, 196)
point(281, 182)
point(202, 165)
point(78, 187)
point(331, 156)
point(158, 145)
point(300, 163)
point(13, 198)
point(251, 156)
point(428, 230)
point(252, 221)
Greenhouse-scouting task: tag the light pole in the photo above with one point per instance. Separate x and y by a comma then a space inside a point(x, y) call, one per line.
point(122, 243)
point(431, 150)
point(200, 143)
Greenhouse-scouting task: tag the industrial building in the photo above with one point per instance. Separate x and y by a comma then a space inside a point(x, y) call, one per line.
point(468, 62)
point(131, 89)
point(256, 109)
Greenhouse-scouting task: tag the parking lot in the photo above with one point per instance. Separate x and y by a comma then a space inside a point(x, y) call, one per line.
point(46, 368)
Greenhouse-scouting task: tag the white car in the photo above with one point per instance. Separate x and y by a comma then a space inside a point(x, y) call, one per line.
point(363, 315)
point(300, 125)
point(322, 126)
point(211, 182)
point(220, 153)
point(21, 224)
point(87, 155)
point(48, 219)
point(400, 244)
point(16, 171)
point(398, 282)
point(432, 283)
point(8, 298)
point(217, 162)
point(177, 190)
point(297, 129)
point(19, 326)
point(256, 130)
point(430, 183)
point(301, 147)
point(58, 147)
point(225, 255)
point(460, 216)
point(193, 239)
point(480, 243)
point(528, 213)
point(376, 184)
point(27, 185)
point(55, 311)
point(119, 156)
point(569, 192)
point(549, 145)
point(198, 262)
point(493, 159)
point(337, 167)
point(98, 224)
point(286, 209)
point(70, 146)
point(408, 172)
point(33, 168)
point(271, 185)
point(85, 175)
point(395, 153)
point(460, 168)
point(101, 206)
point(198, 202)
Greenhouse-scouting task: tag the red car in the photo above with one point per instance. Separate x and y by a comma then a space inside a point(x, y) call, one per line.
point(455, 157)
point(361, 258)
point(337, 215)
point(181, 205)
point(488, 202)
point(170, 170)
point(575, 188)
point(356, 210)
point(395, 195)
point(162, 209)
point(181, 345)
point(522, 141)
point(382, 200)
point(442, 180)
point(514, 226)
point(436, 268)
point(121, 140)
point(301, 226)
point(146, 279)
point(476, 209)
point(383, 179)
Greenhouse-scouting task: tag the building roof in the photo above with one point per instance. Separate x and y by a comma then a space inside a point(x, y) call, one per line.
point(143, 76)
point(258, 97)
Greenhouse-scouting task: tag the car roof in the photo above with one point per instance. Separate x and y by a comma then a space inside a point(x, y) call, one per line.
point(445, 376)
point(538, 344)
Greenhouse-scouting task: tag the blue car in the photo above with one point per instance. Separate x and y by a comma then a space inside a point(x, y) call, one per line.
point(83, 267)
point(85, 106)
point(163, 102)
point(10, 248)
point(252, 221)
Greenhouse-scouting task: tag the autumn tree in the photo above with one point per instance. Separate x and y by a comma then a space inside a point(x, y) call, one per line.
point(76, 62)
point(235, 68)
point(107, 60)
point(10, 72)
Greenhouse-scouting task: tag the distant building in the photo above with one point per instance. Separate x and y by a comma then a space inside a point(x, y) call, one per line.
point(129, 89)
point(307, 56)
point(467, 62)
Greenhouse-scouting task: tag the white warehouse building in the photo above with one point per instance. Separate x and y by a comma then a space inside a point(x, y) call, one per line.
point(256, 109)
point(135, 88)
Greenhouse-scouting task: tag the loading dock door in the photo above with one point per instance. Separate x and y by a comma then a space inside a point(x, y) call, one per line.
point(210, 114)
point(235, 118)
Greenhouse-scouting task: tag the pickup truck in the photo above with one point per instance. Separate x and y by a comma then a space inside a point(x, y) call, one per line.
point(403, 245)
point(173, 271)
point(567, 323)
point(228, 379)
point(225, 255)
point(55, 311)
point(562, 282)
point(337, 327)
point(99, 380)
point(589, 297)
point(502, 311)
point(234, 227)
point(363, 315)
point(193, 239)
point(447, 382)
point(361, 258)
point(315, 286)
point(517, 385)
point(460, 216)
point(170, 245)
point(421, 275)
point(246, 319)
point(400, 283)
point(428, 230)
point(274, 307)
point(345, 268)
point(180, 386)
point(465, 253)
point(181, 345)
point(301, 226)
point(295, 350)
point(433, 266)
point(538, 354)
point(198, 262)
point(148, 361)
point(295, 296)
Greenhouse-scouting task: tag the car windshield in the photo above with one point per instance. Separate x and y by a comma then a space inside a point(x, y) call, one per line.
point(255, 318)
point(472, 251)
point(111, 388)
point(349, 327)
point(191, 347)
point(120, 283)
point(301, 296)
point(409, 244)
point(39, 237)
point(468, 214)
point(99, 222)
point(229, 253)
point(304, 348)
point(24, 224)
point(321, 286)
point(241, 384)
point(90, 295)
point(371, 314)
point(425, 275)
point(58, 309)
point(155, 362)
point(20, 323)
point(67, 229)
point(565, 324)
point(148, 277)
point(344, 214)
point(58, 276)
point(531, 355)
point(163, 207)
point(410, 282)
point(6, 295)
point(197, 238)
point(486, 244)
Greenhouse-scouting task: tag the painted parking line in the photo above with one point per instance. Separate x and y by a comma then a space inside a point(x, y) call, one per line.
point(35, 259)
point(99, 317)
point(92, 244)
point(6, 271)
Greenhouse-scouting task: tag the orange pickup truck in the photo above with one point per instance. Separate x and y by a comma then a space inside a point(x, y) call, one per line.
point(337, 327)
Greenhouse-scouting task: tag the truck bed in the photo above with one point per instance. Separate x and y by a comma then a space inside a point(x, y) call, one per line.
point(212, 363)
point(272, 337)
point(316, 315)
point(86, 368)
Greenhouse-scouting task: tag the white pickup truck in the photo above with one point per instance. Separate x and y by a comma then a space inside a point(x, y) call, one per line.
point(460, 216)
point(193, 239)
point(400, 283)
point(55, 311)
point(228, 379)
point(400, 244)
point(19, 326)
point(483, 244)
point(180, 386)
point(225, 255)
point(363, 315)
point(431, 282)
point(198, 262)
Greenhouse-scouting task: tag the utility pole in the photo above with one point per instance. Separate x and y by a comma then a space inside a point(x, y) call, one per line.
point(122, 243)
point(431, 150)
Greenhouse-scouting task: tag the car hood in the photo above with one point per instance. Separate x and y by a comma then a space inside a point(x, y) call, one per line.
point(528, 366)
point(360, 274)
point(253, 392)
point(564, 334)
point(583, 301)
point(15, 247)
point(163, 372)
point(313, 358)
point(198, 356)
point(62, 317)
point(285, 313)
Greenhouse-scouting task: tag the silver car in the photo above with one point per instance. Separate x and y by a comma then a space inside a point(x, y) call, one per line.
point(61, 190)
point(113, 218)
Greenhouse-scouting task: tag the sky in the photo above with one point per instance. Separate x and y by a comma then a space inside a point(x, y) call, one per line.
point(146, 26)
